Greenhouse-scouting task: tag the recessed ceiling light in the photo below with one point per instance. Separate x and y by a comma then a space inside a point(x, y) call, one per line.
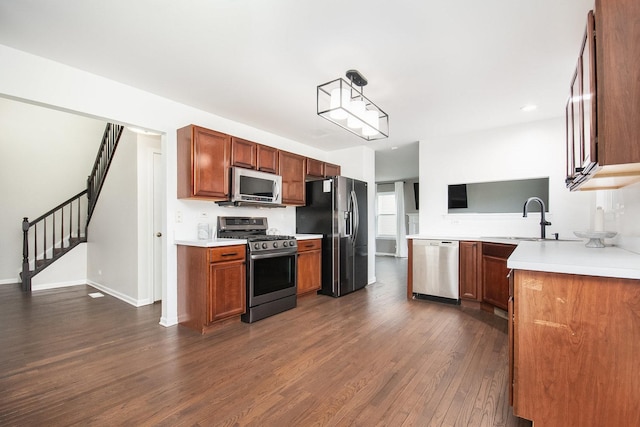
point(528, 107)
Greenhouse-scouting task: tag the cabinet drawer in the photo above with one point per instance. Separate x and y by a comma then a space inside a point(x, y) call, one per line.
point(497, 250)
point(309, 245)
point(227, 253)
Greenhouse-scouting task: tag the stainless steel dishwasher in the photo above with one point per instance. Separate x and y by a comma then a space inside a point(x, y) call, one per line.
point(435, 270)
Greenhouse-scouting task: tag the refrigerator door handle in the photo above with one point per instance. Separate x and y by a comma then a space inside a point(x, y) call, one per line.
point(355, 213)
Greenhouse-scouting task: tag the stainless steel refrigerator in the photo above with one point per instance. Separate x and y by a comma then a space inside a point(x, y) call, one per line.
point(337, 208)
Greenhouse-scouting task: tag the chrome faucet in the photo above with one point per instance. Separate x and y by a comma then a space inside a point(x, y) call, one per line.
point(543, 222)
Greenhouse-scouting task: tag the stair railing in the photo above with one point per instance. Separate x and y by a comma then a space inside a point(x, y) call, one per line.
point(110, 140)
point(52, 234)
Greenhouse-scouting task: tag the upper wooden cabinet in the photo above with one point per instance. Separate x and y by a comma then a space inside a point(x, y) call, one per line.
point(318, 169)
point(267, 159)
point(601, 114)
point(251, 155)
point(292, 168)
point(203, 163)
point(315, 168)
point(243, 153)
point(331, 170)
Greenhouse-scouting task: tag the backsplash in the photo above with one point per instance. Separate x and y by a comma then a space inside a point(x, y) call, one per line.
point(622, 215)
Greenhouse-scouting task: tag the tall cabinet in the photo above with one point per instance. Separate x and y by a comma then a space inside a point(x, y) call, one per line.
point(602, 110)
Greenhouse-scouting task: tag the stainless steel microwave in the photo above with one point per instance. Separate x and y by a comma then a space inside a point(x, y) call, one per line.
point(255, 187)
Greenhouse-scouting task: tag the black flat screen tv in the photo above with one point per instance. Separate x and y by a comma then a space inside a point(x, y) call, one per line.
point(458, 196)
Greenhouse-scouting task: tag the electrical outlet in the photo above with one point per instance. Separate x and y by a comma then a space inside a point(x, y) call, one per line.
point(178, 216)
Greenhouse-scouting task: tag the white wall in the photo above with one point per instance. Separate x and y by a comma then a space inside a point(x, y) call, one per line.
point(112, 243)
point(45, 158)
point(531, 150)
point(29, 78)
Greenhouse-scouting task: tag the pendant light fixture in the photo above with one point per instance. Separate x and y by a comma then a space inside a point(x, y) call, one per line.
point(343, 103)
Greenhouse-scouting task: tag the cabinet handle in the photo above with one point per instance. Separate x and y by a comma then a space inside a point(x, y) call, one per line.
point(230, 254)
point(309, 245)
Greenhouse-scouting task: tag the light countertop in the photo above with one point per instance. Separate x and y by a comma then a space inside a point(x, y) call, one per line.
point(215, 242)
point(211, 243)
point(308, 236)
point(575, 258)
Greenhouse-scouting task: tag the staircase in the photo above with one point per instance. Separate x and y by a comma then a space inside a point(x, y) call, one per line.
point(53, 234)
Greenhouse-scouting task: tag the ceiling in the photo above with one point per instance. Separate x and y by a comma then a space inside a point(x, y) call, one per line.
point(436, 67)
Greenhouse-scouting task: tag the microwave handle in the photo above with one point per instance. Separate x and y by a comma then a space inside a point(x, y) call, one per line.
point(276, 190)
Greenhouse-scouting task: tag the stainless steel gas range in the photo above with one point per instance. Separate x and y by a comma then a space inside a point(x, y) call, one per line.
point(271, 266)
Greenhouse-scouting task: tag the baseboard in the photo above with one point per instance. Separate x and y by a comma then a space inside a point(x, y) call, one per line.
point(126, 298)
point(165, 321)
point(10, 281)
point(56, 285)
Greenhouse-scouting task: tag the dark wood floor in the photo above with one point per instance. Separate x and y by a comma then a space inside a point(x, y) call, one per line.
point(368, 358)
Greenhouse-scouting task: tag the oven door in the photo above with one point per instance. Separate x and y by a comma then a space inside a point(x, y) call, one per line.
point(271, 276)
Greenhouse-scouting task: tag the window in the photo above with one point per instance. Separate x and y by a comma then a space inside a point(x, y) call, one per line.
point(386, 224)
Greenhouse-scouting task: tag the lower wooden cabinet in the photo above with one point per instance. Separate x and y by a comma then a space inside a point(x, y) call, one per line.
point(211, 285)
point(309, 266)
point(495, 283)
point(470, 271)
point(576, 341)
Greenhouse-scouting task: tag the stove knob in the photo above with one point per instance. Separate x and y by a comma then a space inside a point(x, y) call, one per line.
point(264, 246)
point(257, 246)
point(285, 244)
point(275, 244)
point(292, 243)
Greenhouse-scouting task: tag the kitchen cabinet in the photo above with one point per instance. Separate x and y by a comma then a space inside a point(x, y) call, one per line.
point(243, 153)
point(470, 271)
point(203, 163)
point(495, 283)
point(576, 341)
point(602, 129)
point(267, 159)
point(315, 168)
point(292, 168)
point(309, 266)
point(251, 155)
point(331, 170)
point(211, 285)
point(318, 169)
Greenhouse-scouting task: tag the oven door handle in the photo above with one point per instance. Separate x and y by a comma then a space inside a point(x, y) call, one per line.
point(273, 255)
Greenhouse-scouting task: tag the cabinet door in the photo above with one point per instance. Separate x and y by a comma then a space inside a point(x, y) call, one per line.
point(243, 153)
point(469, 279)
point(227, 295)
point(267, 159)
point(292, 169)
point(309, 266)
point(315, 168)
point(203, 163)
point(331, 170)
point(588, 98)
point(495, 283)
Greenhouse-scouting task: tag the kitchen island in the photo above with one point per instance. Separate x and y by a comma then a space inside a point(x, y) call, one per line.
point(574, 334)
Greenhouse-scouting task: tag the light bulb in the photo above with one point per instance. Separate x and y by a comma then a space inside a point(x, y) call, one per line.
point(356, 109)
point(340, 108)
